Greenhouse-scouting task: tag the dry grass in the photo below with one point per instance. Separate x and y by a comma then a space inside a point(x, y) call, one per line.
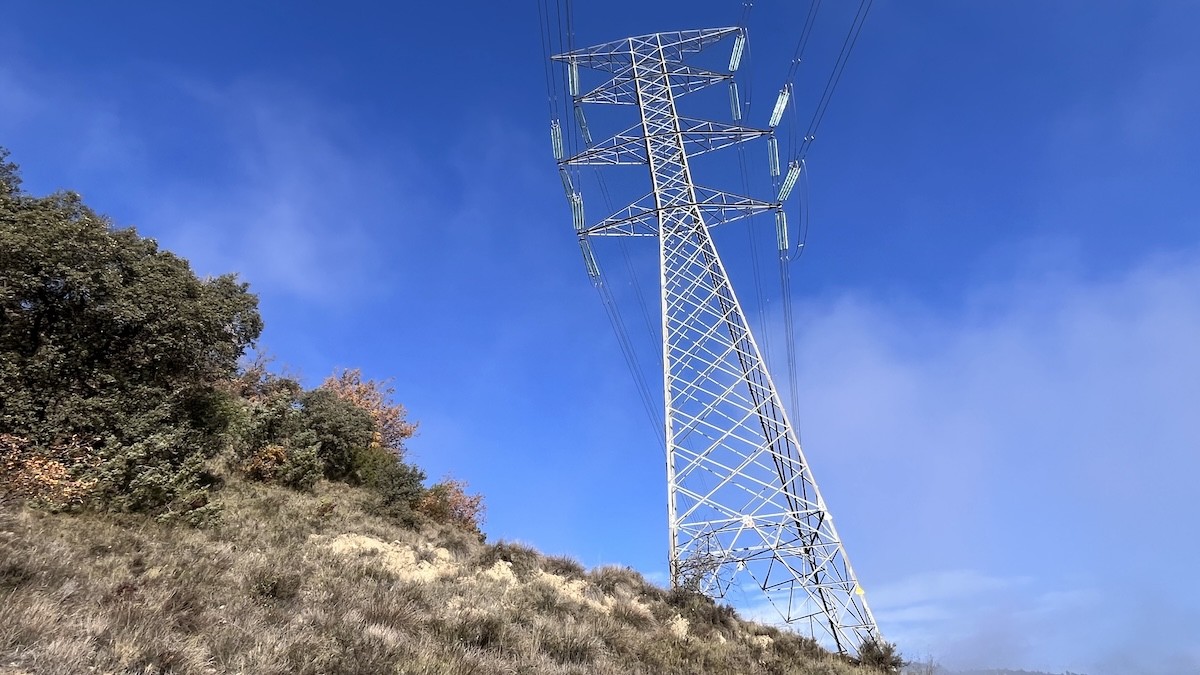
point(288, 582)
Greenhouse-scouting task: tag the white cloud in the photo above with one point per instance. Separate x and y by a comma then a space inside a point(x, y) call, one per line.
point(244, 176)
point(1041, 439)
point(927, 587)
point(298, 206)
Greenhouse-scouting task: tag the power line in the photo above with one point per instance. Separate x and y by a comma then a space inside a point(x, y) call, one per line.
point(835, 77)
point(575, 140)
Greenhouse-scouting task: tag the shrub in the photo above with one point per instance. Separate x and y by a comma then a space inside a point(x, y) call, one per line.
point(523, 559)
point(342, 429)
point(545, 599)
point(627, 612)
point(296, 467)
point(790, 646)
point(448, 502)
point(50, 476)
point(880, 655)
point(484, 632)
point(399, 488)
point(612, 578)
point(569, 643)
point(271, 584)
point(371, 463)
point(302, 468)
point(162, 473)
point(272, 417)
point(458, 541)
point(563, 566)
point(266, 464)
point(255, 382)
point(703, 614)
point(374, 397)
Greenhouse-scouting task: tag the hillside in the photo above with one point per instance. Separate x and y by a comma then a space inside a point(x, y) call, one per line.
point(169, 505)
point(311, 582)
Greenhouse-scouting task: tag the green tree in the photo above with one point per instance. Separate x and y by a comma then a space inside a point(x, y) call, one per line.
point(342, 429)
point(108, 338)
point(392, 427)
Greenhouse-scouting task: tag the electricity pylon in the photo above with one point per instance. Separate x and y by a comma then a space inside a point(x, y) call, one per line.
point(743, 506)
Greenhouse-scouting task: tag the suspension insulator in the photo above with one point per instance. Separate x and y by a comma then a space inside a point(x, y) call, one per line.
point(568, 187)
point(583, 127)
point(573, 78)
point(735, 101)
point(789, 181)
point(739, 46)
point(781, 232)
point(589, 259)
point(780, 106)
point(773, 154)
point(577, 211)
point(556, 139)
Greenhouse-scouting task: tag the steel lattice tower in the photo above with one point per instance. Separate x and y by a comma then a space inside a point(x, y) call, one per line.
point(743, 506)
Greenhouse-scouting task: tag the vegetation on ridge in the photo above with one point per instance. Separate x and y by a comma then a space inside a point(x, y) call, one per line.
point(120, 388)
point(164, 509)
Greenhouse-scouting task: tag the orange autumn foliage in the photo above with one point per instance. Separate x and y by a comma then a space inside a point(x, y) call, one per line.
point(392, 427)
point(448, 502)
point(45, 474)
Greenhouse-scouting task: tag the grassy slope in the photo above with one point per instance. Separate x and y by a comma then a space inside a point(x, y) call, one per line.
point(311, 583)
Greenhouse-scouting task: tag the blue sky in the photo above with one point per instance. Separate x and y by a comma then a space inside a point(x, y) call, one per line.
point(996, 314)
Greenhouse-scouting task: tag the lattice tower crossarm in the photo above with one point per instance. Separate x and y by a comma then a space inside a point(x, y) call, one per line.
point(743, 506)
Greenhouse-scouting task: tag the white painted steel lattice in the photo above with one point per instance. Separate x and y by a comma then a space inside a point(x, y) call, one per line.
point(744, 510)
